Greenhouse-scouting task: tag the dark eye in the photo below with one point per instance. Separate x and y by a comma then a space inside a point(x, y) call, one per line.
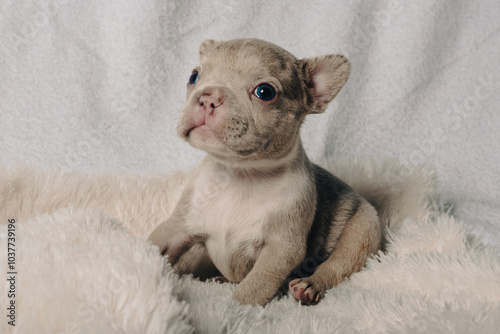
point(265, 92)
point(193, 78)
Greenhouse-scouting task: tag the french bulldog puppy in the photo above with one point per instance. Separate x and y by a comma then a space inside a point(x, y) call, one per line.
point(256, 208)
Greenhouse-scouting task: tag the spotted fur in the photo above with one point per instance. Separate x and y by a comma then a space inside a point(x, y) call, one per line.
point(257, 210)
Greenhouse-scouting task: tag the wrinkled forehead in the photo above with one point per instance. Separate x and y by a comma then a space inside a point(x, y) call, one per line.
point(250, 59)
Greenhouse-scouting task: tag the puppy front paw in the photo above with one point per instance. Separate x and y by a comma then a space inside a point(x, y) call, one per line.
point(306, 291)
point(159, 237)
point(248, 296)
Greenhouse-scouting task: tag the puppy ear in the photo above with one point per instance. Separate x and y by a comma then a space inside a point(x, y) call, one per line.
point(324, 78)
point(208, 45)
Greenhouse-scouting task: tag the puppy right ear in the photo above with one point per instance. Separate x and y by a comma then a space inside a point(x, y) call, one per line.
point(208, 45)
point(324, 78)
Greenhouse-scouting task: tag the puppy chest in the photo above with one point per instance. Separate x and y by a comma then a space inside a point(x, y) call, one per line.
point(233, 217)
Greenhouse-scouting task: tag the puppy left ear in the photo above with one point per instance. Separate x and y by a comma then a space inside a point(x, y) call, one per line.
point(324, 78)
point(208, 45)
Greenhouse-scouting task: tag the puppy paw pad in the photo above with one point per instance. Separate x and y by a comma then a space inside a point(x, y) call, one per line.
point(305, 291)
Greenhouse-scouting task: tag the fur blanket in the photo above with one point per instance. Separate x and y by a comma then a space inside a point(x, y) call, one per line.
point(83, 265)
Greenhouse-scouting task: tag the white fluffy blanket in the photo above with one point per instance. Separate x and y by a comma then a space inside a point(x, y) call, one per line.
point(84, 267)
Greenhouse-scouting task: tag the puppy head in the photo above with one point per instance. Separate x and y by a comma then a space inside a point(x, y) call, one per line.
point(247, 98)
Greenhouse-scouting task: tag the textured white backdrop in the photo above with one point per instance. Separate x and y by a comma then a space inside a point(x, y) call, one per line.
point(96, 85)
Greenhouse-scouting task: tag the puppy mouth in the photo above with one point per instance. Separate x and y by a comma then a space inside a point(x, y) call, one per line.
point(188, 132)
point(196, 124)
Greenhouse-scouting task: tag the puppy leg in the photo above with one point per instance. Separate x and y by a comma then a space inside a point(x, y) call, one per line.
point(269, 272)
point(197, 262)
point(360, 238)
point(172, 240)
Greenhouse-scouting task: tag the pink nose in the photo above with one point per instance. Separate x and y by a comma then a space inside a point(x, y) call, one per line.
point(211, 100)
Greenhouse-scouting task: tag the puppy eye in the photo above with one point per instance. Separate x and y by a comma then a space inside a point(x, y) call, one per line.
point(193, 78)
point(265, 92)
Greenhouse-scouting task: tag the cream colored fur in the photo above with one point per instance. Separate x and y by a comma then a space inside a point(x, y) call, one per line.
point(275, 209)
point(139, 202)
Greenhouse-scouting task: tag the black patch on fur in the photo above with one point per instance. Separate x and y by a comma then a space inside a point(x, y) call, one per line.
point(332, 194)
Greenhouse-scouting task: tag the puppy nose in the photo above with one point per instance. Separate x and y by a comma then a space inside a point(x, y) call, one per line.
point(210, 100)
